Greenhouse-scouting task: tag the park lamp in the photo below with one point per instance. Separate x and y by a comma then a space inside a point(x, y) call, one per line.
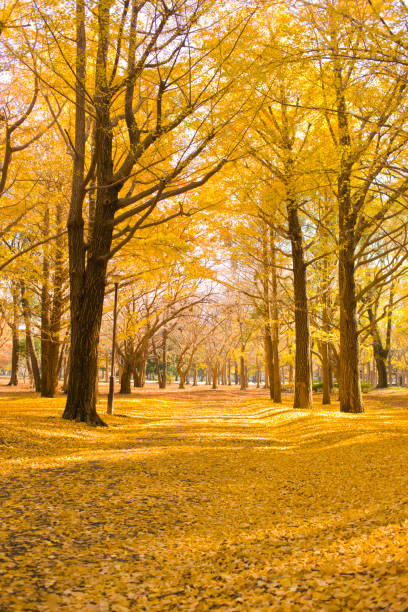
point(115, 279)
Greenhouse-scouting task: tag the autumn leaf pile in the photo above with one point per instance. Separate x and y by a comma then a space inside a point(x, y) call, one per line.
point(201, 501)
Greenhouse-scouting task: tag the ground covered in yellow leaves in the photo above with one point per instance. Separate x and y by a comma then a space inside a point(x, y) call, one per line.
point(204, 500)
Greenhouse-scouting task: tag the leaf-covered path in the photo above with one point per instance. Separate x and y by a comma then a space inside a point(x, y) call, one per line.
point(204, 500)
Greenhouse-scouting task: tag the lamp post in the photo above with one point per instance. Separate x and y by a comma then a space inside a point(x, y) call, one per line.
point(112, 374)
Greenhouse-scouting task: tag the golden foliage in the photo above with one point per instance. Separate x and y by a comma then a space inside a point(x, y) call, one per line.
point(198, 501)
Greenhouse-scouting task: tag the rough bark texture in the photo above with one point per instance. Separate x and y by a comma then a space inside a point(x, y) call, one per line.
point(349, 374)
point(349, 381)
point(51, 320)
point(303, 370)
point(87, 279)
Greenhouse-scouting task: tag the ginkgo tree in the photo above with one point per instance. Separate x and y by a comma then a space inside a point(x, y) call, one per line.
point(157, 106)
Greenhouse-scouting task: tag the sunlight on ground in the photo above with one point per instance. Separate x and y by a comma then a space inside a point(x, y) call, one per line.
point(204, 501)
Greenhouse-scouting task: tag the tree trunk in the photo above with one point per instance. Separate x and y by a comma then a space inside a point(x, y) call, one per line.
point(107, 367)
point(242, 374)
point(49, 375)
point(15, 339)
point(277, 394)
point(29, 339)
point(349, 381)
point(381, 365)
point(139, 372)
point(324, 345)
point(325, 373)
point(29, 368)
point(126, 378)
point(87, 279)
point(269, 376)
point(182, 379)
point(214, 373)
point(303, 371)
point(45, 309)
point(163, 377)
point(349, 374)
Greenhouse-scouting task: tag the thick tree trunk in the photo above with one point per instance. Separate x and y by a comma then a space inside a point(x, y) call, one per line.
point(382, 374)
point(182, 379)
point(126, 378)
point(349, 367)
point(214, 373)
point(349, 382)
point(85, 327)
point(87, 279)
point(303, 370)
point(139, 372)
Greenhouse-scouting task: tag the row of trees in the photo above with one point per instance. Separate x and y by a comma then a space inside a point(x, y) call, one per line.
point(254, 145)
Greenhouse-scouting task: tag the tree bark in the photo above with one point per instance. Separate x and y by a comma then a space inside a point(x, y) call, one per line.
point(13, 382)
point(269, 369)
point(30, 348)
point(349, 381)
point(126, 378)
point(381, 352)
point(45, 309)
point(277, 393)
point(303, 370)
point(182, 379)
point(349, 366)
point(242, 373)
point(87, 279)
point(214, 373)
point(52, 322)
point(325, 373)
point(163, 379)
